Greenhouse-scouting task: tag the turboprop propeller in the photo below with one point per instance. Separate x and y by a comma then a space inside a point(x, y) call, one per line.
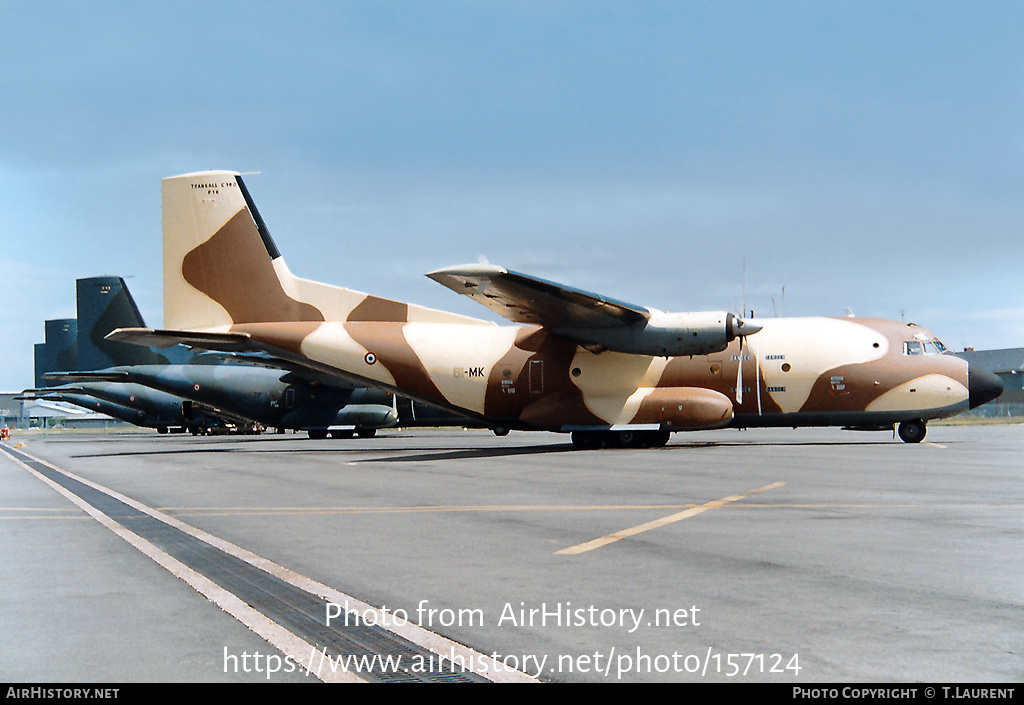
point(741, 329)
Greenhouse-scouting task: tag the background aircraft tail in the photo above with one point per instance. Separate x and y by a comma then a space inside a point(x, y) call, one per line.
point(80, 345)
point(221, 267)
point(59, 352)
point(105, 304)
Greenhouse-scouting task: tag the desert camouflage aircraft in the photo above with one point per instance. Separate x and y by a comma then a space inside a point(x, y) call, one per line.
point(608, 372)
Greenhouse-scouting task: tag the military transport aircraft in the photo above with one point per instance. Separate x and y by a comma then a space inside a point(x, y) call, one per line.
point(608, 372)
point(195, 394)
point(270, 396)
point(78, 344)
point(246, 392)
point(143, 406)
point(120, 412)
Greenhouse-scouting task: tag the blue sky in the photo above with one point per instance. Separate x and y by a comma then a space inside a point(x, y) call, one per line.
point(863, 154)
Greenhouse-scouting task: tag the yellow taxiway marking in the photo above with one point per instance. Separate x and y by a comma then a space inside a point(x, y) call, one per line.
point(664, 521)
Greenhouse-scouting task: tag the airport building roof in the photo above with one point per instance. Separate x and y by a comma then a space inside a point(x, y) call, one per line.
point(999, 361)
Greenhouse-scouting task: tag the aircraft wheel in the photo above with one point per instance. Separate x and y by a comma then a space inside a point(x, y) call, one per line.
point(342, 434)
point(317, 434)
point(500, 430)
point(367, 432)
point(657, 439)
point(912, 431)
point(627, 439)
point(586, 440)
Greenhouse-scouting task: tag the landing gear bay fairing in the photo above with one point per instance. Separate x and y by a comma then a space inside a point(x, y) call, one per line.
point(608, 372)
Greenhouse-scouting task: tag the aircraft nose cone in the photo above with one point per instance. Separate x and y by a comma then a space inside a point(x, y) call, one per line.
point(982, 385)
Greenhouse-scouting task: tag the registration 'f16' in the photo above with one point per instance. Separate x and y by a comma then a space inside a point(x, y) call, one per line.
point(607, 371)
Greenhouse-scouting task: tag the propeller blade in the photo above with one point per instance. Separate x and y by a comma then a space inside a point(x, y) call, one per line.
point(757, 377)
point(739, 375)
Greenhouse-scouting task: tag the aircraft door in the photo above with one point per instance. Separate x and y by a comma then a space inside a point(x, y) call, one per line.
point(536, 376)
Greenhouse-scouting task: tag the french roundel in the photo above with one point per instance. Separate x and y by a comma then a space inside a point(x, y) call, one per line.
point(370, 358)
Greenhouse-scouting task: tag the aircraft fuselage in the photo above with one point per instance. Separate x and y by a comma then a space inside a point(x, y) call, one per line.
point(795, 372)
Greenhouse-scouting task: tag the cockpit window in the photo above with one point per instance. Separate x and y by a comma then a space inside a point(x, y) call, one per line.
point(923, 347)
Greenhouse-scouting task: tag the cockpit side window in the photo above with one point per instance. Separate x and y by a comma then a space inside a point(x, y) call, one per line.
point(913, 347)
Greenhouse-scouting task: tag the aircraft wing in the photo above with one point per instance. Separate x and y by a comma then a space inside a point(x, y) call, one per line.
point(593, 321)
point(89, 376)
point(522, 298)
point(295, 371)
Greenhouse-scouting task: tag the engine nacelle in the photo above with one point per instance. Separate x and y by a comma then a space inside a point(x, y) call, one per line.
point(666, 334)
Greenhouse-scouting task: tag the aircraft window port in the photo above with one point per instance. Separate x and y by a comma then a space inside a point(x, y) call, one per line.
point(913, 347)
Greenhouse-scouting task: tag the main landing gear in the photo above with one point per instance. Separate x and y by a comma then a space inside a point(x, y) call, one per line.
point(589, 440)
point(912, 431)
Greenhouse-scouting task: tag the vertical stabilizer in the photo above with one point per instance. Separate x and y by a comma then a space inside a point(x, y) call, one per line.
point(222, 269)
point(104, 304)
point(219, 261)
point(59, 352)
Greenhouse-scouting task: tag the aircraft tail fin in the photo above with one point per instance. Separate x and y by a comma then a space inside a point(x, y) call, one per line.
point(222, 268)
point(59, 352)
point(105, 304)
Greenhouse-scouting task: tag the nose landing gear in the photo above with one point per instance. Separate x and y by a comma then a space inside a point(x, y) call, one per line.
point(912, 431)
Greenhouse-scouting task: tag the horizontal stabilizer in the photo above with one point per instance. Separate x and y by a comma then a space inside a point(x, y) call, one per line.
point(149, 337)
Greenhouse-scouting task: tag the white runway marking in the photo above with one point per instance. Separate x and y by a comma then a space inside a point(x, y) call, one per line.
point(289, 644)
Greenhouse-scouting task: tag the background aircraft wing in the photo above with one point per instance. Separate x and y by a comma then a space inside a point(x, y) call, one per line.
point(89, 376)
point(522, 298)
point(295, 371)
